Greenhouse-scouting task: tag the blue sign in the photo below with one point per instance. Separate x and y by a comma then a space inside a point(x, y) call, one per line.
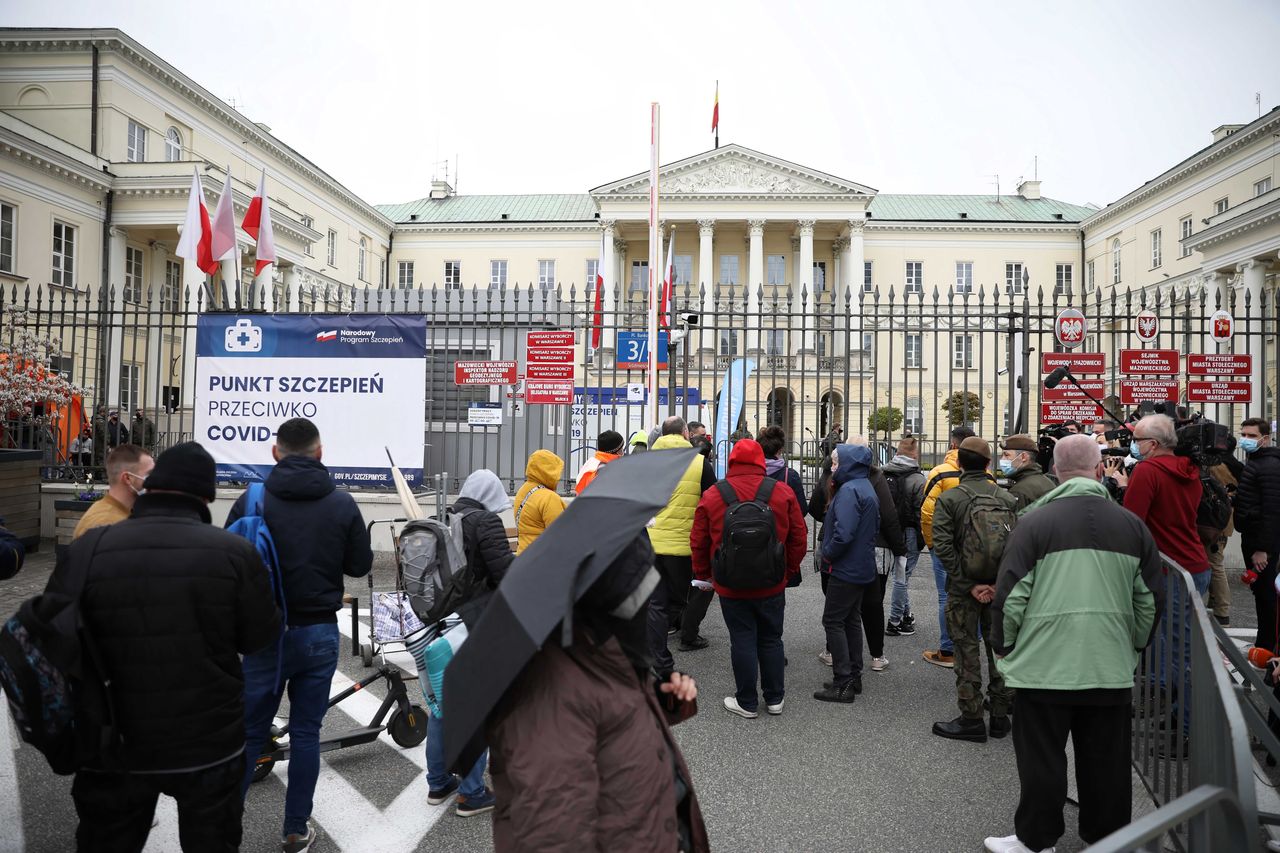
point(633, 350)
point(342, 336)
point(618, 397)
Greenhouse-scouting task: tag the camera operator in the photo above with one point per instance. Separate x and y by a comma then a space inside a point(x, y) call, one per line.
point(1225, 471)
point(1258, 493)
point(1027, 480)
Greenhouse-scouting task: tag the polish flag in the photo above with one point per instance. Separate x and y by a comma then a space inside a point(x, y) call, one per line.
point(597, 315)
point(331, 335)
point(257, 224)
point(194, 245)
point(715, 111)
point(223, 241)
point(666, 302)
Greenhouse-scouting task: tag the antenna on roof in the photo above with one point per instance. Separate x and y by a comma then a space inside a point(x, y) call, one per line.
point(455, 172)
point(997, 177)
point(1257, 102)
point(1035, 168)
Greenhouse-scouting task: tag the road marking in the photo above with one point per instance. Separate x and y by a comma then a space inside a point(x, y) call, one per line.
point(11, 838)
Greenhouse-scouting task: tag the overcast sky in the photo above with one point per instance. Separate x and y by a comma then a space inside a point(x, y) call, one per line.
point(553, 96)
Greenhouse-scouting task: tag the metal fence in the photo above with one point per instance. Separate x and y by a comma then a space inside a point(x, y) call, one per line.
point(883, 363)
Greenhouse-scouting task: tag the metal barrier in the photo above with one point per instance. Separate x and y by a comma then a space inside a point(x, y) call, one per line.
point(1190, 739)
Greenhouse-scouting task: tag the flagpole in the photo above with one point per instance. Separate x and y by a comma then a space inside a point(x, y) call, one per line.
point(717, 114)
point(655, 261)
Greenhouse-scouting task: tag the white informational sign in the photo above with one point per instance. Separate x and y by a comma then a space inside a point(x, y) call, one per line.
point(599, 409)
point(635, 392)
point(484, 414)
point(359, 377)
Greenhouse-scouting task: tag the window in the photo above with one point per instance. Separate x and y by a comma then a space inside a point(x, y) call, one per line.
point(453, 275)
point(172, 145)
point(1014, 282)
point(333, 248)
point(684, 269)
point(497, 274)
point(137, 143)
point(8, 233)
point(1262, 186)
point(963, 352)
point(172, 286)
point(447, 402)
point(1156, 251)
point(62, 365)
point(404, 275)
point(867, 286)
point(132, 274)
point(728, 341)
point(1115, 261)
point(775, 267)
point(964, 276)
point(382, 272)
point(1090, 282)
point(1220, 206)
point(639, 276)
point(913, 420)
point(1062, 280)
point(593, 266)
point(129, 374)
point(360, 259)
point(1184, 231)
point(775, 342)
point(171, 397)
point(307, 222)
point(868, 342)
point(915, 350)
point(546, 275)
point(729, 269)
point(819, 277)
point(64, 255)
point(915, 277)
point(823, 344)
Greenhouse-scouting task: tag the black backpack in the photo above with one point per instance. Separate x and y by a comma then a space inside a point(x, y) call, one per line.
point(908, 516)
point(750, 555)
point(1214, 513)
point(54, 679)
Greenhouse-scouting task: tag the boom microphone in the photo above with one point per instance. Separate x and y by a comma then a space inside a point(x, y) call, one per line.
point(1056, 377)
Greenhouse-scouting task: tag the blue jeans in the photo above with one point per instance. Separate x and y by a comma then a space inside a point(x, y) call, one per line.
point(940, 578)
point(755, 647)
point(438, 777)
point(1179, 608)
point(900, 605)
point(306, 669)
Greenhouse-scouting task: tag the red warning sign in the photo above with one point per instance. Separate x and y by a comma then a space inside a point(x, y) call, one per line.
point(1079, 363)
point(1135, 391)
point(1215, 364)
point(484, 373)
point(552, 391)
point(1067, 391)
point(1219, 392)
point(1151, 362)
point(1059, 413)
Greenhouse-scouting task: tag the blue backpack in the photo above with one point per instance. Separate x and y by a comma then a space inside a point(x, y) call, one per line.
point(253, 526)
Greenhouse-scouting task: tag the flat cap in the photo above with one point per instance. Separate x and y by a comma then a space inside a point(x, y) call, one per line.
point(1021, 442)
point(978, 446)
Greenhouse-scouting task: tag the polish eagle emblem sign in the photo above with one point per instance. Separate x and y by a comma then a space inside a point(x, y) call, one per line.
point(1147, 324)
point(1070, 328)
point(1221, 326)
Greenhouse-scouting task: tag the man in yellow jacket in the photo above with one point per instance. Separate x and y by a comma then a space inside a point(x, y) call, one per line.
point(943, 477)
point(670, 534)
point(537, 503)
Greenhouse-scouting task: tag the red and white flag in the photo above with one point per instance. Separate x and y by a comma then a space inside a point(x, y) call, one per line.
point(666, 302)
point(194, 244)
point(257, 224)
point(223, 240)
point(597, 313)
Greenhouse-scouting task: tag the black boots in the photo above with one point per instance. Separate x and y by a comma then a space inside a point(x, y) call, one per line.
point(962, 728)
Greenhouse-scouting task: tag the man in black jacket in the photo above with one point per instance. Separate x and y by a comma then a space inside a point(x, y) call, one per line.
point(320, 537)
point(1257, 496)
point(171, 602)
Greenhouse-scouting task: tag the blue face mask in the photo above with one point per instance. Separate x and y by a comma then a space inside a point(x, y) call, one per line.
point(1134, 451)
point(1006, 467)
point(1248, 445)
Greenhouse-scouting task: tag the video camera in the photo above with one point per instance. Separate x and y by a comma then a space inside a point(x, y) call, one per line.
point(1201, 440)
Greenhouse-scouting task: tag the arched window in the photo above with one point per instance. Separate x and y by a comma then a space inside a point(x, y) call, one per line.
point(830, 412)
point(173, 145)
point(779, 407)
point(364, 248)
point(1115, 261)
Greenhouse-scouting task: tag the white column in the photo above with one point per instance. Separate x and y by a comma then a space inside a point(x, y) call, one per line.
point(804, 286)
point(840, 248)
point(114, 340)
point(755, 281)
point(1252, 273)
point(624, 280)
point(291, 301)
point(707, 281)
point(853, 281)
point(609, 276)
point(158, 355)
point(795, 272)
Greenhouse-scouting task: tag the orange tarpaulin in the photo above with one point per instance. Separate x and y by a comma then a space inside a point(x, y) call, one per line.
point(66, 420)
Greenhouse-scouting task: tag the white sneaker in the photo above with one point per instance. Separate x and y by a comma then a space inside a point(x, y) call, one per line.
point(731, 705)
point(879, 664)
point(299, 843)
point(1010, 844)
point(776, 709)
point(825, 657)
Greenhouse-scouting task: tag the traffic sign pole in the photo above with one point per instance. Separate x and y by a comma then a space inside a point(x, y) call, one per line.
point(655, 260)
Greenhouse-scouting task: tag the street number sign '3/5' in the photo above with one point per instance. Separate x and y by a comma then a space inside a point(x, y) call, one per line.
point(633, 350)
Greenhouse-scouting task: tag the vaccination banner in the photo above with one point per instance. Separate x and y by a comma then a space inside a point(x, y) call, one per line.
point(361, 378)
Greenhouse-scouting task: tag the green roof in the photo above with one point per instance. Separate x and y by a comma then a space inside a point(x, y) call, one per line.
point(494, 208)
point(887, 207)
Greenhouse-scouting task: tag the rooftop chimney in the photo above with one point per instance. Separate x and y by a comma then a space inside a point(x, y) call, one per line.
point(1223, 131)
point(441, 189)
point(1029, 190)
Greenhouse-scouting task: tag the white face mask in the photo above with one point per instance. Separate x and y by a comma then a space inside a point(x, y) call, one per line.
point(129, 475)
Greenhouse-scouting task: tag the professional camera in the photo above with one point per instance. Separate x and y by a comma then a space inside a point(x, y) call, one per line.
point(1046, 439)
point(1204, 442)
point(1123, 437)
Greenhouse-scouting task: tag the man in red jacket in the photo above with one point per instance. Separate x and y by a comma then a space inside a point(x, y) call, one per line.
point(753, 614)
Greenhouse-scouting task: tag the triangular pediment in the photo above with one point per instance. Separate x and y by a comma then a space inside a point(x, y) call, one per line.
point(735, 171)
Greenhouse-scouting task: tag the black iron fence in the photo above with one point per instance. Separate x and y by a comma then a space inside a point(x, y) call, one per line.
point(882, 363)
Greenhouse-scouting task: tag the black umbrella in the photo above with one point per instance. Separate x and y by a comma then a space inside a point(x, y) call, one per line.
point(544, 583)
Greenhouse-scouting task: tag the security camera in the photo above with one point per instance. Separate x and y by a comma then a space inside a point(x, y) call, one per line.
point(688, 318)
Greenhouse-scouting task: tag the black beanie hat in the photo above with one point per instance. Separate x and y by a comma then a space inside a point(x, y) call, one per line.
point(185, 467)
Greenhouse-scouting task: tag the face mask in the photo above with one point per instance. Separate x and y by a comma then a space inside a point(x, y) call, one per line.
point(1006, 467)
point(1134, 451)
point(130, 477)
point(1248, 445)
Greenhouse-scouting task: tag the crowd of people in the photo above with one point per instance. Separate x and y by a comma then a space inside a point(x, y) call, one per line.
point(1054, 577)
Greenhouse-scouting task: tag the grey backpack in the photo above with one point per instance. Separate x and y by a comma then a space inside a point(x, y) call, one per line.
point(434, 567)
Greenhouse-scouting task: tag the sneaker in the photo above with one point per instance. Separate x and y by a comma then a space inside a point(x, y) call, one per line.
point(1010, 844)
point(879, 664)
point(845, 694)
point(938, 657)
point(295, 843)
point(699, 642)
point(855, 683)
point(776, 709)
point(1224, 621)
point(892, 629)
point(825, 657)
point(962, 728)
point(472, 806)
point(908, 621)
point(1000, 726)
point(731, 705)
point(436, 796)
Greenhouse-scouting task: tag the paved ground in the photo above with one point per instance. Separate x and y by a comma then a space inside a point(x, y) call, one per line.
point(864, 777)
